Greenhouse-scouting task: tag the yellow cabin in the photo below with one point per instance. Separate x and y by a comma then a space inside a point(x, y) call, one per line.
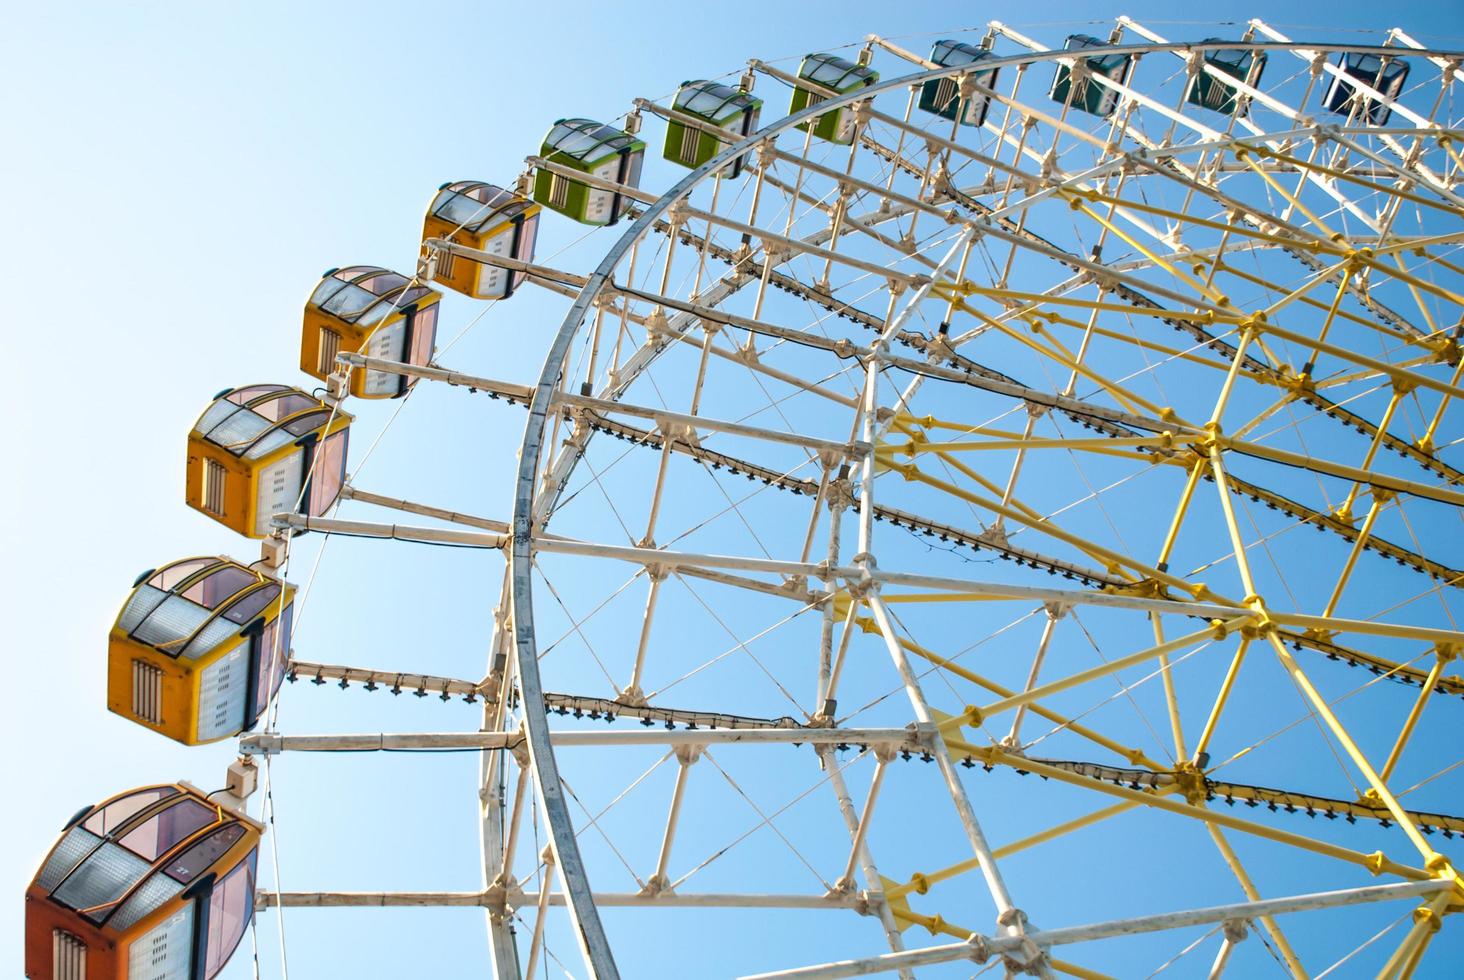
point(373, 311)
point(154, 884)
point(489, 219)
point(199, 649)
point(265, 450)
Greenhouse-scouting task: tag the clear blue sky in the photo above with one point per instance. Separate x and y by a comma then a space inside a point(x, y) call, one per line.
point(175, 178)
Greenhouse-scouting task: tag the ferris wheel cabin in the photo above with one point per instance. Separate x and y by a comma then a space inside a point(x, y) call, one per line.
point(487, 218)
point(830, 72)
point(1209, 92)
point(264, 450)
point(941, 96)
point(1074, 85)
point(597, 150)
point(714, 103)
point(199, 649)
point(154, 884)
point(374, 311)
point(1384, 75)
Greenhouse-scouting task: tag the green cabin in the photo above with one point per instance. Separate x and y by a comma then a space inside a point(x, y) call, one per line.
point(1077, 88)
point(1210, 92)
point(942, 96)
point(719, 105)
point(1384, 75)
point(830, 72)
point(595, 149)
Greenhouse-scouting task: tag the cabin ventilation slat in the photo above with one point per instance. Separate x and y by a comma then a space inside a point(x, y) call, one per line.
point(68, 956)
point(330, 346)
point(558, 191)
point(214, 477)
point(147, 692)
point(690, 140)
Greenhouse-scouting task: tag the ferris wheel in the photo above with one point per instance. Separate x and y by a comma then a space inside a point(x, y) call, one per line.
point(947, 528)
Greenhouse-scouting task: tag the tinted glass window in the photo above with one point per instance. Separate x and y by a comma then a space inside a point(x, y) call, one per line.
point(424, 335)
point(213, 589)
point(115, 814)
point(198, 858)
point(253, 391)
point(166, 829)
point(383, 283)
point(306, 423)
point(274, 654)
point(285, 406)
point(173, 574)
point(328, 472)
point(229, 910)
point(243, 611)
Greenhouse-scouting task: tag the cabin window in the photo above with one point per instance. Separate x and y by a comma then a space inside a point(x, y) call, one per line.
point(147, 692)
point(167, 829)
point(115, 814)
point(424, 336)
point(201, 856)
point(68, 956)
point(328, 473)
point(243, 611)
point(229, 910)
point(214, 478)
point(274, 654)
point(223, 584)
point(348, 301)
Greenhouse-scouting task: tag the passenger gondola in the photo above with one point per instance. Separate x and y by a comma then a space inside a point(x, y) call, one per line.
point(154, 884)
point(373, 311)
point(199, 649)
point(264, 450)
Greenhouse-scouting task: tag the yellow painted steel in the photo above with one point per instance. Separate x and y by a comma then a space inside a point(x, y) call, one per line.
point(1427, 919)
point(1132, 755)
point(1253, 894)
point(1377, 862)
point(975, 715)
point(1203, 745)
point(1443, 656)
point(1380, 497)
point(920, 883)
point(1434, 861)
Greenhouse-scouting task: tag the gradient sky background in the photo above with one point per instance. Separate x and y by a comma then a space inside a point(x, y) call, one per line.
point(176, 178)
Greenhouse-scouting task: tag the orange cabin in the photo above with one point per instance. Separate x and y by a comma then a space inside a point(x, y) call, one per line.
point(154, 884)
point(489, 219)
point(372, 311)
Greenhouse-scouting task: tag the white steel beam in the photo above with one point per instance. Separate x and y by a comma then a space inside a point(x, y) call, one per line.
point(271, 743)
point(519, 899)
point(978, 948)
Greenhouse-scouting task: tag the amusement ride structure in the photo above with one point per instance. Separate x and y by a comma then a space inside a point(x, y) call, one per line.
point(1003, 514)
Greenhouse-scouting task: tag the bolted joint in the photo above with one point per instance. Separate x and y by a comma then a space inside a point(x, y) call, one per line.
point(1424, 914)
